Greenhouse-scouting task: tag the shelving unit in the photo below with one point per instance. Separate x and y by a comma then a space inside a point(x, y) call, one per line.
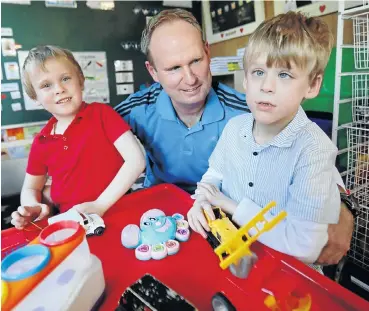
point(352, 138)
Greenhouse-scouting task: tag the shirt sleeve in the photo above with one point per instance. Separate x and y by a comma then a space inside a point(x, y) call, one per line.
point(36, 163)
point(113, 123)
point(293, 236)
point(313, 203)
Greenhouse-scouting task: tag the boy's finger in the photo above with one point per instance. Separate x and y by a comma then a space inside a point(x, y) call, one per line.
point(23, 211)
point(208, 209)
point(199, 228)
point(202, 220)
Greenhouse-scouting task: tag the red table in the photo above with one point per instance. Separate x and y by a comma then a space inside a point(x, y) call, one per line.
point(195, 273)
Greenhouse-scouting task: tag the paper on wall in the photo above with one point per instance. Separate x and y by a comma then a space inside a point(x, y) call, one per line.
point(15, 95)
point(123, 77)
point(8, 47)
point(123, 65)
point(9, 87)
point(16, 106)
point(6, 32)
point(11, 70)
point(124, 89)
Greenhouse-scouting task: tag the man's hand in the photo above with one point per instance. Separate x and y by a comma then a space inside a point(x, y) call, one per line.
point(196, 217)
point(93, 207)
point(339, 238)
point(25, 214)
point(216, 198)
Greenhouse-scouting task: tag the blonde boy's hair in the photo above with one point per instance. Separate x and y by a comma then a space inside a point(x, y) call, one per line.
point(162, 18)
point(38, 56)
point(292, 37)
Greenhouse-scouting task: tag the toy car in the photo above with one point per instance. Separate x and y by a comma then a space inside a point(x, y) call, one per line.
point(232, 244)
point(92, 223)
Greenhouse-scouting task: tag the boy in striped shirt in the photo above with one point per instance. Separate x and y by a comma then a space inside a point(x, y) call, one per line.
point(277, 153)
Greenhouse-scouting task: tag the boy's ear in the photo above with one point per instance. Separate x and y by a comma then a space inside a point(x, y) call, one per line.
point(152, 71)
point(244, 83)
point(314, 88)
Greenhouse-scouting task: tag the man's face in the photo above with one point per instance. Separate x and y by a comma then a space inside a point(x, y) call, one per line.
point(181, 63)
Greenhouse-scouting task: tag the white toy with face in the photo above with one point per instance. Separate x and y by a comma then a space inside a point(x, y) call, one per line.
point(155, 238)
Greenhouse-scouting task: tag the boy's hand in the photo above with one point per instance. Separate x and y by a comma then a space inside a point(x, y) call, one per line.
point(25, 214)
point(93, 207)
point(215, 197)
point(196, 217)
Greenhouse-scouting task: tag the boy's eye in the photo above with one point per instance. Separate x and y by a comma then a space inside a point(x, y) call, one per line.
point(175, 68)
point(258, 73)
point(45, 85)
point(66, 78)
point(284, 75)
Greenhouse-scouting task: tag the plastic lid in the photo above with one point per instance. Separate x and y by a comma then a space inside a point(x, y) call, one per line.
point(24, 262)
point(60, 232)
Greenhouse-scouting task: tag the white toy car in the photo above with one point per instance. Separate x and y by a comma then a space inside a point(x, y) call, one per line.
point(92, 223)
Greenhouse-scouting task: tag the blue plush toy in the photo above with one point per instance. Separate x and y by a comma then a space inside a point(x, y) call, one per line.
point(155, 238)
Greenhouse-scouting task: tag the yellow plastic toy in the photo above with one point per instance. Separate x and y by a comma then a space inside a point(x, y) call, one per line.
point(291, 304)
point(235, 244)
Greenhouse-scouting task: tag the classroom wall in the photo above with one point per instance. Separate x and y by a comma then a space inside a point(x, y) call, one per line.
point(229, 47)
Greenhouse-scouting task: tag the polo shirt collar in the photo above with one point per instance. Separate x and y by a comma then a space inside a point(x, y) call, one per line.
point(213, 112)
point(82, 113)
point(286, 137)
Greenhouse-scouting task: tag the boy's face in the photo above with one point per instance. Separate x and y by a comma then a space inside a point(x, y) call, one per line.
point(275, 94)
point(58, 88)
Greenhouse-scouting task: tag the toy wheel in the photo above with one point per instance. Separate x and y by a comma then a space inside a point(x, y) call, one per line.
point(221, 303)
point(99, 231)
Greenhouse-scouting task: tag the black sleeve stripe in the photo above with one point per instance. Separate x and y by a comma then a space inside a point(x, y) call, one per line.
point(126, 110)
point(228, 100)
point(148, 98)
point(244, 108)
point(218, 90)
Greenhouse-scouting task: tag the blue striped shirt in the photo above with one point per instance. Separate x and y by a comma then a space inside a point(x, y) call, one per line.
point(176, 154)
point(296, 169)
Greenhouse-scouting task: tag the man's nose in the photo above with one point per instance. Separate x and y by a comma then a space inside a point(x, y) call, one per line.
point(189, 76)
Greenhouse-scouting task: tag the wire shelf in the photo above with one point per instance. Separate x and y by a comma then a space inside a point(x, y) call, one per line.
point(360, 98)
point(358, 183)
point(361, 40)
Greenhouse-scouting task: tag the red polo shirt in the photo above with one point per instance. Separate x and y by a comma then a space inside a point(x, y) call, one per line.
point(83, 161)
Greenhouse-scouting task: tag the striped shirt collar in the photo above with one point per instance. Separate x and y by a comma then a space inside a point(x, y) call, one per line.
point(286, 137)
point(213, 112)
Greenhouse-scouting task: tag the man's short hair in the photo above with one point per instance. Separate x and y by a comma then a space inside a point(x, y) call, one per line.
point(38, 57)
point(292, 37)
point(162, 18)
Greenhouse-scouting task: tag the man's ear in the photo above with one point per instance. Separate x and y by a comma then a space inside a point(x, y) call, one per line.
point(314, 88)
point(152, 71)
point(207, 49)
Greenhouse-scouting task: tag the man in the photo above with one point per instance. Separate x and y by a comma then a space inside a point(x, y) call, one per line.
point(180, 120)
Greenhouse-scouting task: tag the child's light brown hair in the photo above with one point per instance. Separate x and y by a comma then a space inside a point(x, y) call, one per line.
point(292, 38)
point(38, 57)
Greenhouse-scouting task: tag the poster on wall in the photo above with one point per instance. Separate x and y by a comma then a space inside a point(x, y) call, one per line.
point(226, 20)
point(93, 65)
point(311, 8)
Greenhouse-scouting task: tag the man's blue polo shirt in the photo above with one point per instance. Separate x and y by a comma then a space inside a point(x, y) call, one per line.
point(175, 153)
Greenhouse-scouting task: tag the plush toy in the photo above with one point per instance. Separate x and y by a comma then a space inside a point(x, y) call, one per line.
point(157, 236)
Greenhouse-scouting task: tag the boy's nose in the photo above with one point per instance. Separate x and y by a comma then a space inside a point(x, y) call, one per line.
point(59, 89)
point(268, 85)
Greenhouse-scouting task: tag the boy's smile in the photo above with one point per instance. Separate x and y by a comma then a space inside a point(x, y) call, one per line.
point(58, 88)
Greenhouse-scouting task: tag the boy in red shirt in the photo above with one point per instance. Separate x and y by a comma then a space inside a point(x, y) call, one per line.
point(88, 150)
